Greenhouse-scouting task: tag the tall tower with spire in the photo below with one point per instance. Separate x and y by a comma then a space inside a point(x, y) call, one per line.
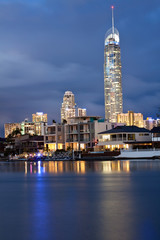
point(112, 73)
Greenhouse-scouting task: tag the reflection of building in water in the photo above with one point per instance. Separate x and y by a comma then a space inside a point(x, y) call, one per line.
point(112, 166)
point(61, 167)
point(79, 167)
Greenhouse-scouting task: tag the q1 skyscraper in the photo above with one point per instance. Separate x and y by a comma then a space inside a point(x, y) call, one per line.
point(112, 74)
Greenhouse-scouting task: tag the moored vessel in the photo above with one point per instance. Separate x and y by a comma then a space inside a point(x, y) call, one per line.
point(139, 154)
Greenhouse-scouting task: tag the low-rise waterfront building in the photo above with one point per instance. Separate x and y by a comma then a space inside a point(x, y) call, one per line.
point(54, 137)
point(82, 132)
point(29, 144)
point(2, 146)
point(124, 137)
point(156, 137)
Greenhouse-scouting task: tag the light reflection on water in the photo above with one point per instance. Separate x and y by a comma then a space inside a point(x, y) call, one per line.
point(62, 200)
point(79, 167)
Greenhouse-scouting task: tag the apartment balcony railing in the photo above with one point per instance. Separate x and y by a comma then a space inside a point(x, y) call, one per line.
point(155, 139)
point(50, 133)
point(76, 140)
point(50, 141)
point(85, 131)
point(72, 140)
point(85, 140)
point(72, 132)
point(114, 140)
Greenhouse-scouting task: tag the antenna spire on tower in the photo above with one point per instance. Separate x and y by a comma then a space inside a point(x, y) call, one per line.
point(112, 19)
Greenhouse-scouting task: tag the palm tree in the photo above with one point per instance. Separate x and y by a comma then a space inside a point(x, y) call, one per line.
point(16, 132)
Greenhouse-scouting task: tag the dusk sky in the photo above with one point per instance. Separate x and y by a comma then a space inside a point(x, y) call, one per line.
point(50, 46)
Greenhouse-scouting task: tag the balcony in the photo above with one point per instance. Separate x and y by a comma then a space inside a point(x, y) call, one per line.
point(72, 140)
point(85, 131)
point(76, 140)
point(85, 140)
point(114, 140)
point(50, 133)
point(72, 132)
point(50, 141)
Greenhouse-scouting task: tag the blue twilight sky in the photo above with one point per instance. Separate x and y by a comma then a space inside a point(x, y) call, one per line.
point(50, 46)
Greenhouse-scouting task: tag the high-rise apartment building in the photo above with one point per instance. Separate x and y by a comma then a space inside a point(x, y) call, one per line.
point(150, 123)
point(40, 120)
point(112, 74)
point(131, 119)
point(39, 117)
point(82, 112)
point(68, 106)
point(27, 127)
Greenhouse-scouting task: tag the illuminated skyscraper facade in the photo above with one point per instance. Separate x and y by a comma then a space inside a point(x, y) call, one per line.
point(131, 119)
point(112, 74)
point(39, 117)
point(68, 106)
point(82, 112)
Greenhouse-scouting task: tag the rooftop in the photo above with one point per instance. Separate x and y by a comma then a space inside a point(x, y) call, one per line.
point(155, 130)
point(125, 129)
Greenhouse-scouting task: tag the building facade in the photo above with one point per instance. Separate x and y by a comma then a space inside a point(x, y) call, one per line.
point(156, 137)
point(82, 132)
point(27, 127)
point(131, 118)
point(68, 106)
point(30, 144)
point(150, 123)
point(39, 117)
point(112, 74)
point(82, 112)
point(10, 127)
point(124, 137)
point(40, 121)
point(54, 137)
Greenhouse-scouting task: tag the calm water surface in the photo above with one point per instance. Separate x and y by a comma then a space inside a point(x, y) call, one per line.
point(80, 200)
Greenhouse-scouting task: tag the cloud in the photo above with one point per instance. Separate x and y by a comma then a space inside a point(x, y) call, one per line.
point(50, 46)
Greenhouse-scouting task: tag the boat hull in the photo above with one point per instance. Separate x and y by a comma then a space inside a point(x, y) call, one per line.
point(138, 154)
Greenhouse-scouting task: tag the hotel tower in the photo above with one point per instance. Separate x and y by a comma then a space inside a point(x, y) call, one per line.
point(112, 74)
point(68, 106)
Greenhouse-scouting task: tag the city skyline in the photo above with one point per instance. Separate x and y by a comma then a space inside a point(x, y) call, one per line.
point(47, 48)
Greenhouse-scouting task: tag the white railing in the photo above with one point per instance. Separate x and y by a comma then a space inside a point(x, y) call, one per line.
point(139, 150)
point(155, 139)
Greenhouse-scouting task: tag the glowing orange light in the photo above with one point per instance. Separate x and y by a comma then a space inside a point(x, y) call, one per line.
point(112, 6)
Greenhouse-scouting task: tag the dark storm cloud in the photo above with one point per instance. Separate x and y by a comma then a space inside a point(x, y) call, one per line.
point(50, 46)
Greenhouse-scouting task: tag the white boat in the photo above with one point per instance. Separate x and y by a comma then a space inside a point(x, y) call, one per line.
point(139, 154)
